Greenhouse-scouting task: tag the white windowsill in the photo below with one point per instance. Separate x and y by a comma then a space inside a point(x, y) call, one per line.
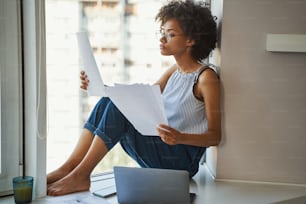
point(208, 191)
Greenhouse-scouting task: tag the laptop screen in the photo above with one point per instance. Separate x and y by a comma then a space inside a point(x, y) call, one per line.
point(151, 185)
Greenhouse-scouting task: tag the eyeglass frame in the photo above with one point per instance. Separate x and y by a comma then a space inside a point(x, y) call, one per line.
point(168, 36)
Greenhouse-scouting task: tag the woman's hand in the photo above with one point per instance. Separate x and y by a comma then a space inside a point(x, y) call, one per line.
point(169, 135)
point(84, 80)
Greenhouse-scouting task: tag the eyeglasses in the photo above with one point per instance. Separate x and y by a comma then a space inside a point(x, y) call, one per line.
point(168, 36)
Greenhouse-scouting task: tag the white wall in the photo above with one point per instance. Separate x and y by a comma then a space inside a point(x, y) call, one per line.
point(264, 119)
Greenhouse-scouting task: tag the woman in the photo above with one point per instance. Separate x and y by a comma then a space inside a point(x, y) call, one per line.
point(191, 94)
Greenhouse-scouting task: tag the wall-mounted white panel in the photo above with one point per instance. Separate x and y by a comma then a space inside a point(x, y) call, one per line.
point(286, 43)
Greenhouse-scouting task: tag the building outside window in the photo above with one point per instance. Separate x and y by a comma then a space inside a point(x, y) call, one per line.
point(122, 35)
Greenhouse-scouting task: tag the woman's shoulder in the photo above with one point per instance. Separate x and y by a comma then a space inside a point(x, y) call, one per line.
point(172, 69)
point(165, 76)
point(208, 74)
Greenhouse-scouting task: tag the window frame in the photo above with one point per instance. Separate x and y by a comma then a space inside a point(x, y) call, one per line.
point(35, 93)
point(31, 55)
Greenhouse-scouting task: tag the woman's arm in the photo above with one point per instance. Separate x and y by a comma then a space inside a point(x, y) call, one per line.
point(162, 81)
point(207, 88)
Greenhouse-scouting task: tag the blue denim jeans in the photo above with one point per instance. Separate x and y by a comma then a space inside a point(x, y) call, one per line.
point(108, 123)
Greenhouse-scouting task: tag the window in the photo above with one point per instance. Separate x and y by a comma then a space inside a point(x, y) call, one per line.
point(10, 94)
point(126, 51)
point(13, 15)
point(113, 50)
point(0, 132)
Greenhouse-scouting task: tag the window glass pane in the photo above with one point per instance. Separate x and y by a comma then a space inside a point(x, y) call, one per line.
point(122, 35)
point(10, 114)
point(1, 160)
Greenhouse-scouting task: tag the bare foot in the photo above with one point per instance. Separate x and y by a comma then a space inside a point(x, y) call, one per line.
point(68, 184)
point(57, 175)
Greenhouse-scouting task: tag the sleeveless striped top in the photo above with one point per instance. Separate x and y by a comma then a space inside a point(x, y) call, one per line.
point(183, 110)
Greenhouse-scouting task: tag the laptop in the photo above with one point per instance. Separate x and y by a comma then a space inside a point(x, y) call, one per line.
point(152, 185)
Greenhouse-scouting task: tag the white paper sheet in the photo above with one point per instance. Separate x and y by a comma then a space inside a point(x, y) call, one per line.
point(141, 104)
point(96, 85)
point(75, 198)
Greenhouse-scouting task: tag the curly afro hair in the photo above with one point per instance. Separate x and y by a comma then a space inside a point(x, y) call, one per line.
point(196, 21)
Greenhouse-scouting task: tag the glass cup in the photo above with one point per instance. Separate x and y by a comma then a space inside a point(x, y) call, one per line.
point(23, 188)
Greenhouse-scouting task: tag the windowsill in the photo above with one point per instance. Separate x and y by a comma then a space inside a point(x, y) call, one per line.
point(208, 191)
